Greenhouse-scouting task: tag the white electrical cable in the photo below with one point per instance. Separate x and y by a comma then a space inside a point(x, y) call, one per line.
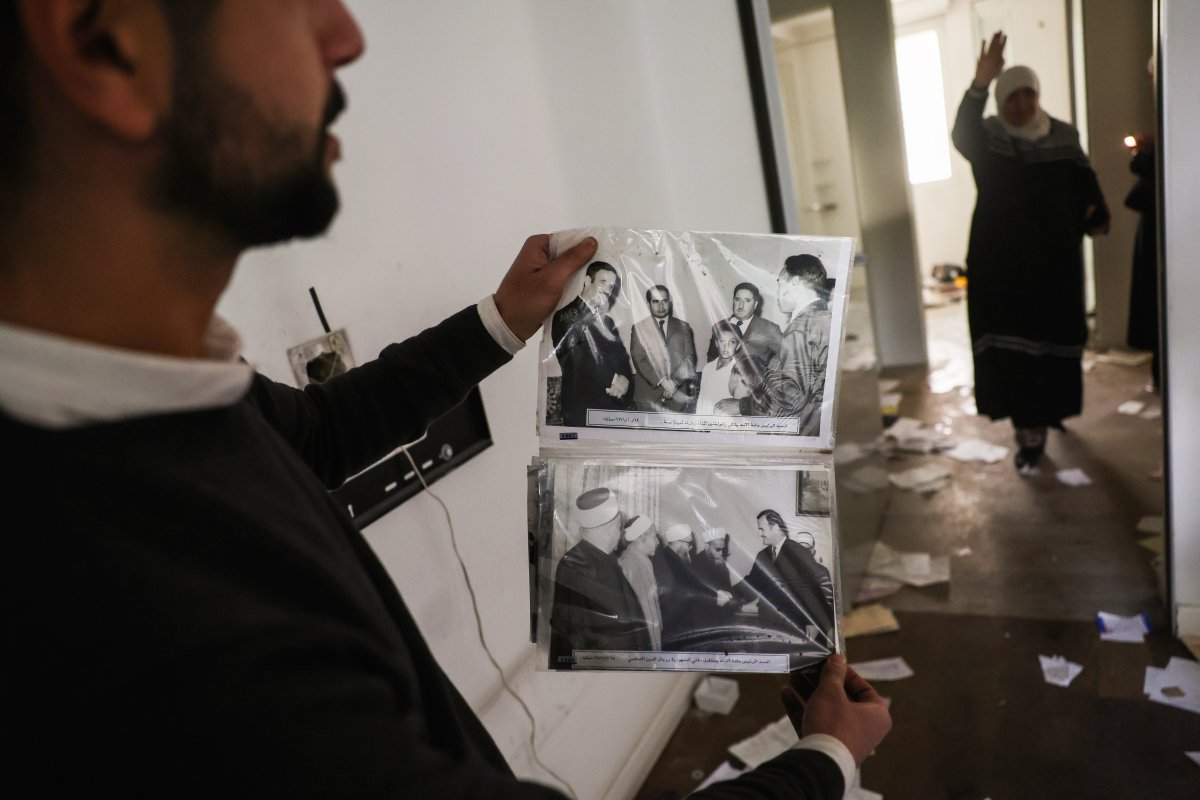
point(479, 628)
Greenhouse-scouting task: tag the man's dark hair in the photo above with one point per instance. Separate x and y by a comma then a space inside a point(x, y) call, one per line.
point(773, 518)
point(186, 19)
point(752, 289)
point(14, 104)
point(809, 269)
point(667, 293)
point(595, 267)
point(660, 288)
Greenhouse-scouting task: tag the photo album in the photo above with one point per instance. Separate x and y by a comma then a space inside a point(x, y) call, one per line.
point(682, 514)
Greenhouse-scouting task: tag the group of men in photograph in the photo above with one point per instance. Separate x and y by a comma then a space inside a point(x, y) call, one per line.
point(628, 585)
point(753, 367)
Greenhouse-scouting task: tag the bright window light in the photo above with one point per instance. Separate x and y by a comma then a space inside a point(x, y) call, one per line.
point(922, 106)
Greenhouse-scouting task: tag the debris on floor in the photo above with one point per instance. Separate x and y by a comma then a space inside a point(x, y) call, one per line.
point(1150, 525)
point(1178, 684)
point(725, 772)
point(769, 742)
point(716, 695)
point(922, 479)
point(1058, 671)
point(1151, 413)
point(913, 436)
point(1194, 756)
point(889, 404)
point(1155, 544)
point(850, 452)
point(977, 450)
point(869, 620)
point(874, 587)
point(915, 569)
point(884, 669)
point(1124, 358)
point(865, 480)
point(1074, 477)
point(1131, 407)
point(1115, 628)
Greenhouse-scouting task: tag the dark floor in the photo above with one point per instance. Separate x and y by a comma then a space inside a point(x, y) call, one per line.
point(977, 720)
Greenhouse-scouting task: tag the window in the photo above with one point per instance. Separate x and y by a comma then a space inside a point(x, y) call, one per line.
point(922, 107)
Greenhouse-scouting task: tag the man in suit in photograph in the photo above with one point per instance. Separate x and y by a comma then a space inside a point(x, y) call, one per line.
point(795, 385)
point(595, 607)
point(664, 355)
point(793, 592)
point(760, 337)
point(596, 371)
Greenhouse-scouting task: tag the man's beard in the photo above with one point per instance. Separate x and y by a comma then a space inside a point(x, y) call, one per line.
point(229, 166)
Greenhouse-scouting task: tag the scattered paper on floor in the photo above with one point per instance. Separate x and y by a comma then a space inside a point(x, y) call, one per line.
point(873, 587)
point(1115, 628)
point(1124, 358)
point(868, 620)
point(1058, 671)
point(977, 450)
point(1194, 756)
point(769, 742)
point(1155, 544)
point(915, 569)
point(725, 772)
point(1151, 413)
point(913, 436)
point(850, 452)
point(1178, 684)
point(884, 669)
point(1131, 407)
point(1074, 477)
point(923, 479)
point(867, 479)
point(861, 361)
point(963, 552)
point(1150, 525)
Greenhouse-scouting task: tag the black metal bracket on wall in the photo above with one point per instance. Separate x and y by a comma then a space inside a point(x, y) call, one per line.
point(453, 439)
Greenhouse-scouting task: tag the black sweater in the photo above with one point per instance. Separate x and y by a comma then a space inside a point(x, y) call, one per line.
point(192, 615)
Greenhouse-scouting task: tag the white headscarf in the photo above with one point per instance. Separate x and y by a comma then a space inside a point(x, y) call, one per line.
point(1009, 81)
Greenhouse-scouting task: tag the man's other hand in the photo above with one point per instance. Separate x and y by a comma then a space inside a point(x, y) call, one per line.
point(844, 706)
point(534, 283)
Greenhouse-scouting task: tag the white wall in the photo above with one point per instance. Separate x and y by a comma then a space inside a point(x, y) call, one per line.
point(1179, 33)
point(471, 125)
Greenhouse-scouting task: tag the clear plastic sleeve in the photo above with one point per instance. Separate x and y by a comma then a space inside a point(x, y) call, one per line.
point(698, 339)
point(684, 566)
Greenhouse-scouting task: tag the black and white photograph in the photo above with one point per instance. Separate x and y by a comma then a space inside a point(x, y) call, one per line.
point(682, 568)
point(701, 338)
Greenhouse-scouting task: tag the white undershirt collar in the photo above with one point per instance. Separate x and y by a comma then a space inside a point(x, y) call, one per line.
point(56, 382)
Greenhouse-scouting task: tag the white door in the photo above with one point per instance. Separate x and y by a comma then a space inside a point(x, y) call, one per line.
point(815, 118)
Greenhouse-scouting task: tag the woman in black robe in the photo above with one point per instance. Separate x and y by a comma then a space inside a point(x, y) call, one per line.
point(1037, 197)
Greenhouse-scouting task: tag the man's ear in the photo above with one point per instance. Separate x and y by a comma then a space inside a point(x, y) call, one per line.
point(111, 59)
